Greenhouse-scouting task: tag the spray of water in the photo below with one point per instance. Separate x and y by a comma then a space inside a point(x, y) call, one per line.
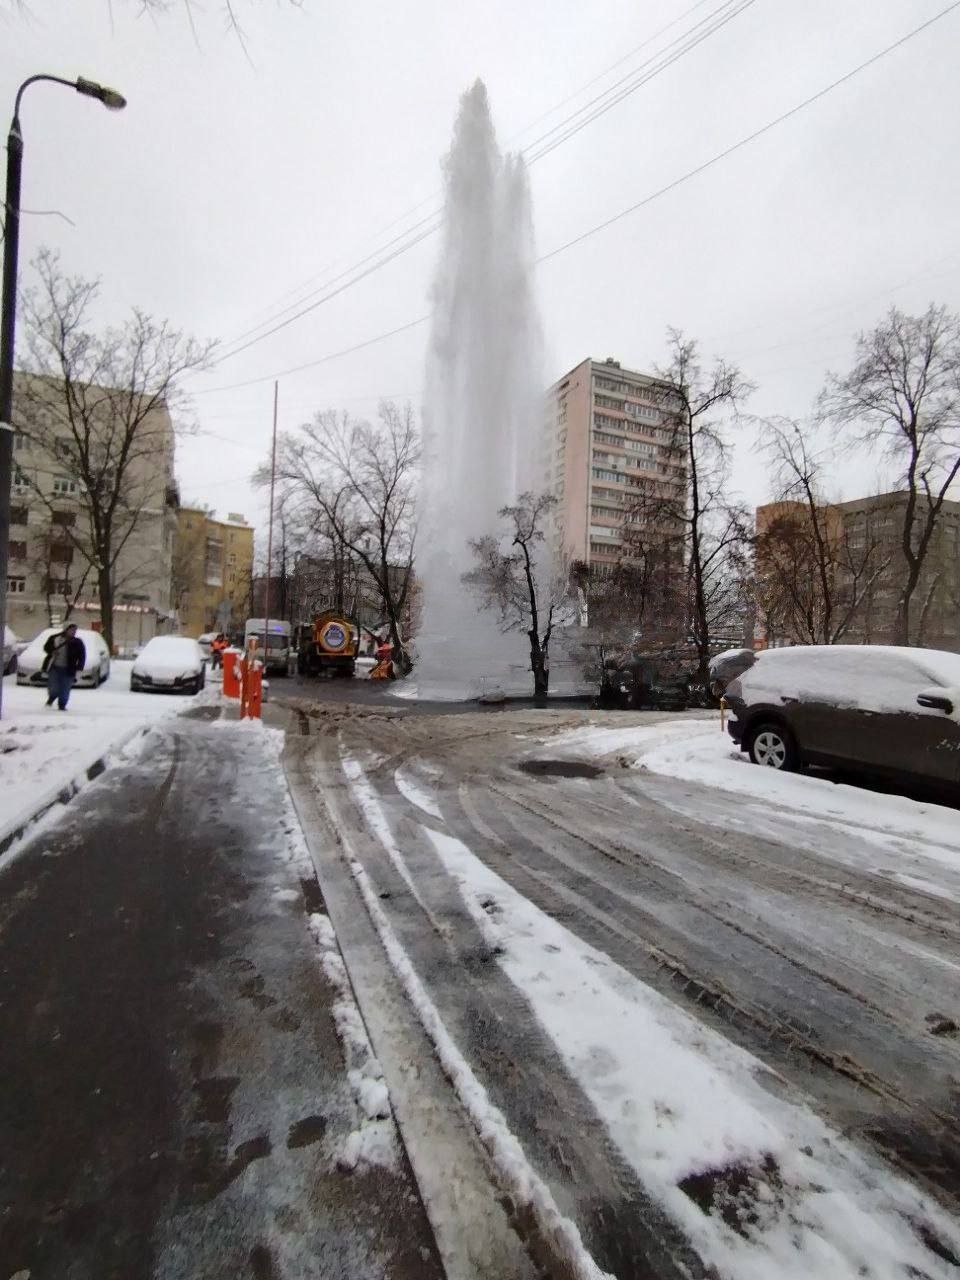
point(482, 406)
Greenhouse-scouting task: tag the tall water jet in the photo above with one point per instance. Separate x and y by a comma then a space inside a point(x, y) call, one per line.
point(482, 405)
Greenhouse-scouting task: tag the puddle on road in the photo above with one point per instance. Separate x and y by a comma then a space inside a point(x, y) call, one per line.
point(560, 769)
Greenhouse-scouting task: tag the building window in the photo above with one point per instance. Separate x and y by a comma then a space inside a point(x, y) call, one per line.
point(644, 411)
point(64, 519)
point(616, 477)
point(63, 487)
point(61, 553)
point(57, 586)
point(16, 586)
point(19, 515)
point(20, 441)
point(213, 563)
point(20, 482)
point(17, 550)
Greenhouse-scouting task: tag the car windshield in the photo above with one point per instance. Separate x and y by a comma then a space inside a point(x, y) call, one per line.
point(274, 642)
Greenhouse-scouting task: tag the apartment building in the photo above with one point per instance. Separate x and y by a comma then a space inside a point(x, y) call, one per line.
point(213, 571)
point(865, 533)
point(50, 574)
point(606, 439)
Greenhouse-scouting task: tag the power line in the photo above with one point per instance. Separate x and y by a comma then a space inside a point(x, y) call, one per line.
point(611, 97)
point(431, 199)
point(640, 204)
point(751, 137)
point(312, 364)
point(426, 227)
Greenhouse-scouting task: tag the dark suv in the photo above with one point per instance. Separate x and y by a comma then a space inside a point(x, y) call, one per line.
point(888, 711)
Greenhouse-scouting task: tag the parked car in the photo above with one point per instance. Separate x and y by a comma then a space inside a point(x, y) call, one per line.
point(205, 642)
point(11, 647)
point(96, 668)
point(174, 664)
point(893, 712)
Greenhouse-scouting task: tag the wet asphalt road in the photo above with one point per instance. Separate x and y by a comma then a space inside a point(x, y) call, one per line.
point(792, 941)
point(172, 1091)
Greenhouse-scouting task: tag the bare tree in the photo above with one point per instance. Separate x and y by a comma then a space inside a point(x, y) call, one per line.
point(356, 481)
point(520, 583)
point(812, 577)
point(903, 396)
point(638, 602)
point(687, 506)
point(98, 407)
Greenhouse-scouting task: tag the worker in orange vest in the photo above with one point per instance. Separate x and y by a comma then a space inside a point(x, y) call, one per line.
point(217, 646)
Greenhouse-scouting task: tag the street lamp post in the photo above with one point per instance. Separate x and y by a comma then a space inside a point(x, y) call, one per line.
point(8, 308)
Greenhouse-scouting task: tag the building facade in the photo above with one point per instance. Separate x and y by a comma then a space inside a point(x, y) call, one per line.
point(50, 574)
point(213, 571)
point(864, 537)
point(606, 440)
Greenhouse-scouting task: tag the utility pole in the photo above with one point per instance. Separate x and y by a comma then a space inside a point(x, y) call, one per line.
point(273, 476)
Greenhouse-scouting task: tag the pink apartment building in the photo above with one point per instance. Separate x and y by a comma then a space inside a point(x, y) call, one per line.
point(605, 436)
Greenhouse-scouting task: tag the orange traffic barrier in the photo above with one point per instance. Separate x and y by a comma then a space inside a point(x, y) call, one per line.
point(251, 683)
point(231, 673)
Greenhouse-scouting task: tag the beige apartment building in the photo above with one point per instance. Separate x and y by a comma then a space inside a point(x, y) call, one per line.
point(49, 576)
point(212, 572)
point(871, 531)
point(604, 441)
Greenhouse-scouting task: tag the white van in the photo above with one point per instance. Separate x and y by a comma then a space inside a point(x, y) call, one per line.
point(274, 644)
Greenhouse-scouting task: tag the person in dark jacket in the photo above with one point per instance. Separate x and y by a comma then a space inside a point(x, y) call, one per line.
point(66, 655)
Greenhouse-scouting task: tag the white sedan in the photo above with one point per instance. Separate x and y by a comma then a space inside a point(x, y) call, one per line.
point(172, 663)
point(96, 669)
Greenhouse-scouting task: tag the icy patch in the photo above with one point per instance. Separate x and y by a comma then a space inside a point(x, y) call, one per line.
point(374, 1140)
point(762, 1187)
point(410, 789)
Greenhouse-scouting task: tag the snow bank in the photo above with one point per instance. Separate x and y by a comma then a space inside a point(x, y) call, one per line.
point(45, 752)
point(374, 1139)
point(689, 1110)
point(925, 835)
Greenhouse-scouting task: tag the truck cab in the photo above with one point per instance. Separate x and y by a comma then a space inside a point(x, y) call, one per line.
point(274, 643)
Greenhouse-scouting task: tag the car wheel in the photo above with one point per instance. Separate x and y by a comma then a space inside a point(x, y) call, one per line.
point(774, 746)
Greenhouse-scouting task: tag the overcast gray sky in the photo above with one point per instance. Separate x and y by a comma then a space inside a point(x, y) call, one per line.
point(230, 187)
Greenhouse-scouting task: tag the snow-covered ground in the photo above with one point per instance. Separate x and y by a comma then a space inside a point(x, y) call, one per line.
point(44, 752)
point(682, 1103)
point(755, 1178)
point(925, 837)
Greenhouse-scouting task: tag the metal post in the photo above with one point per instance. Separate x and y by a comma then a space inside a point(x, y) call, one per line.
point(8, 305)
point(273, 473)
point(11, 243)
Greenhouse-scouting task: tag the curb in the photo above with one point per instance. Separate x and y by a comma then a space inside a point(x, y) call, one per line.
point(65, 792)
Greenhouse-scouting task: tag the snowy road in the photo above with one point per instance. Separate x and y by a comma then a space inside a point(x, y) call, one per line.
point(722, 1030)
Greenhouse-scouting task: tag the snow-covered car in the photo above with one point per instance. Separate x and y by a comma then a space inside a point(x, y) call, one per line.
point(11, 646)
point(96, 668)
point(726, 666)
point(892, 712)
point(172, 663)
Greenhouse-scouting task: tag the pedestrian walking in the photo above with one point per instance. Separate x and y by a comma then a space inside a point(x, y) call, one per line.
point(66, 655)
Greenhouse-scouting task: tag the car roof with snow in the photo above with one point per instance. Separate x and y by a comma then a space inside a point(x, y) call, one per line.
point(159, 645)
